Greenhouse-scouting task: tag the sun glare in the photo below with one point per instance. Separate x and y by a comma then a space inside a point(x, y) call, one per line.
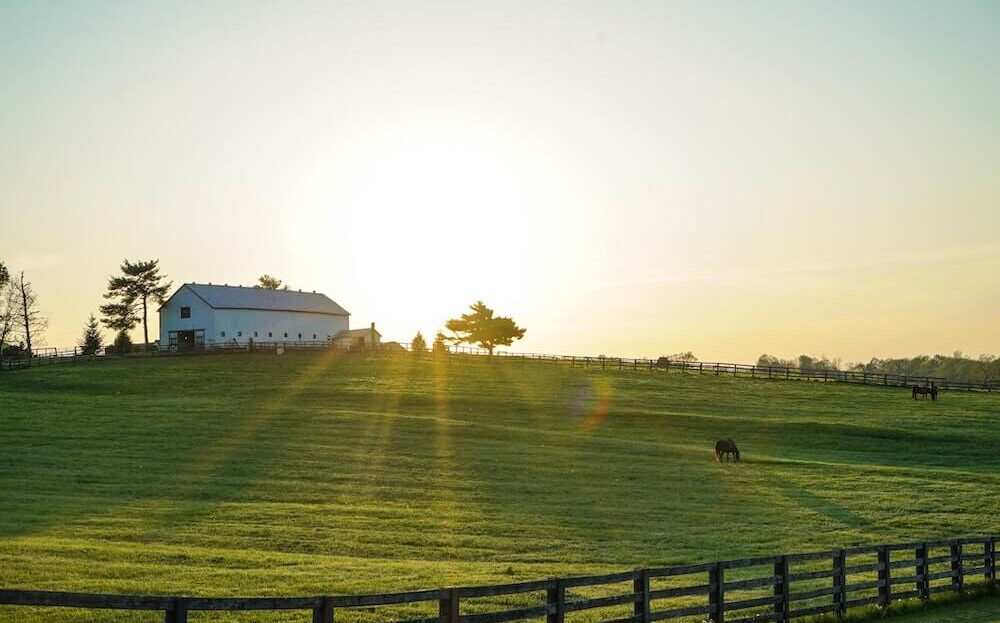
point(443, 203)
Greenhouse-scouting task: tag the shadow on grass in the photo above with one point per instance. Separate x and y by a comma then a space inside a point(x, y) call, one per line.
point(977, 604)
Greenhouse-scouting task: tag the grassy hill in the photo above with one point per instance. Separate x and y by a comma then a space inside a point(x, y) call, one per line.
point(316, 474)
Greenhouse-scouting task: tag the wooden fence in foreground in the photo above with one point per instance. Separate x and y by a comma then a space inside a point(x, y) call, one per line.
point(768, 588)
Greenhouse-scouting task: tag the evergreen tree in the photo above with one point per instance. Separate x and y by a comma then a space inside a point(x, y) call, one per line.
point(268, 282)
point(92, 342)
point(482, 328)
point(123, 343)
point(418, 345)
point(139, 283)
point(440, 346)
point(119, 317)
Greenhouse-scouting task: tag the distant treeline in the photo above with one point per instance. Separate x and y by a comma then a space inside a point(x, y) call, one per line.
point(956, 366)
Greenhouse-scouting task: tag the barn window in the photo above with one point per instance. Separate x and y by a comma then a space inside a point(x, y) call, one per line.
point(314, 336)
point(223, 333)
point(300, 336)
point(239, 334)
point(286, 335)
point(255, 334)
point(269, 334)
point(185, 312)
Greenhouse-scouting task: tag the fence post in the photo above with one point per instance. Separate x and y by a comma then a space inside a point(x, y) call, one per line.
point(957, 580)
point(781, 589)
point(884, 577)
point(840, 582)
point(448, 607)
point(923, 584)
point(716, 595)
point(989, 561)
point(555, 598)
point(178, 613)
point(640, 586)
point(324, 612)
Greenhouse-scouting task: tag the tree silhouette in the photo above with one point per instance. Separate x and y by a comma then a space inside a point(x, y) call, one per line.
point(419, 344)
point(29, 317)
point(440, 346)
point(268, 282)
point(9, 311)
point(482, 328)
point(139, 283)
point(91, 342)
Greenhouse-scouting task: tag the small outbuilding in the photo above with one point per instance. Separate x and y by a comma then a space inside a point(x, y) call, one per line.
point(199, 315)
point(358, 339)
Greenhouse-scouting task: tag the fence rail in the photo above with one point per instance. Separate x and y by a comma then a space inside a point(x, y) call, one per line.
point(72, 355)
point(768, 588)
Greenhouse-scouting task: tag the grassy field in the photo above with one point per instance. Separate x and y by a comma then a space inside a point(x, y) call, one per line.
point(264, 475)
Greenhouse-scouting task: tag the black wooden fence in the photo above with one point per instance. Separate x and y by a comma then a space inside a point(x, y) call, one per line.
point(72, 355)
point(767, 588)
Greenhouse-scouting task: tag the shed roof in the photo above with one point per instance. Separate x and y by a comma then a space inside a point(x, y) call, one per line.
point(355, 333)
point(239, 297)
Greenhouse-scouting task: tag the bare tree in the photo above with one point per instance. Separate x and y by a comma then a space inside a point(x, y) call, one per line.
point(30, 319)
point(9, 316)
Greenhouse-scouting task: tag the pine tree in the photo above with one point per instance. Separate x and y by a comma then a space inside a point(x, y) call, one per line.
point(123, 343)
point(268, 282)
point(440, 346)
point(419, 344)
point(139, 283)
point(482, 328)
point(92, 342)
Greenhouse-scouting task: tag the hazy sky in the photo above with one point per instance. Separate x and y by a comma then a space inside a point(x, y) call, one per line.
point(630, 178)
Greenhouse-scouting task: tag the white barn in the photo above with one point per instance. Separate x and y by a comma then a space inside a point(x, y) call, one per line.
point(199, 315)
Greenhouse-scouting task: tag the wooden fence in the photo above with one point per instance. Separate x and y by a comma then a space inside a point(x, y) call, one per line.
point(71, 355)
point(768, 588)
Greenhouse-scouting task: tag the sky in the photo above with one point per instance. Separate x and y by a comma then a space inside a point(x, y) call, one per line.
point(623, 178)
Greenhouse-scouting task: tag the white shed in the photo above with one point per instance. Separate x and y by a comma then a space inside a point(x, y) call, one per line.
point(197, 315)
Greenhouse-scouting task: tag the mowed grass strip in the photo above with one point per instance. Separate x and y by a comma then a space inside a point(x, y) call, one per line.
point(309, 474)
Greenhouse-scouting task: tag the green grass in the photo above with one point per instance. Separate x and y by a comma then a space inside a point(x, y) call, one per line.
point(264, 475)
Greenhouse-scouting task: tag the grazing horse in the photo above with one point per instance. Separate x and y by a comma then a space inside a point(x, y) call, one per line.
point(925, 392)
point(726, 447)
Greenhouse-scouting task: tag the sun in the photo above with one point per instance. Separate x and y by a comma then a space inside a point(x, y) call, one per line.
point(421, 207)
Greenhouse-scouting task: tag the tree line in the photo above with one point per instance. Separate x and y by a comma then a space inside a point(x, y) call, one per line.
point(140, 285)
point(957, 366)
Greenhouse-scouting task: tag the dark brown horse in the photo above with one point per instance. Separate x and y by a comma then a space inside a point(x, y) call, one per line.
point(925, 392)
point(726, 447)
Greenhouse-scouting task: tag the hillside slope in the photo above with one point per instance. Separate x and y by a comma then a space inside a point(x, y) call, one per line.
point(325, 474)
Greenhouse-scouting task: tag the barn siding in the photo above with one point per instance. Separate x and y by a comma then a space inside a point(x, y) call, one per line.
point(234, 321)
point(202, 316)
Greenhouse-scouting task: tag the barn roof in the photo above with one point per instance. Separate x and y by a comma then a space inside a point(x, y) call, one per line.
point(239, 297)
point(356, 333)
